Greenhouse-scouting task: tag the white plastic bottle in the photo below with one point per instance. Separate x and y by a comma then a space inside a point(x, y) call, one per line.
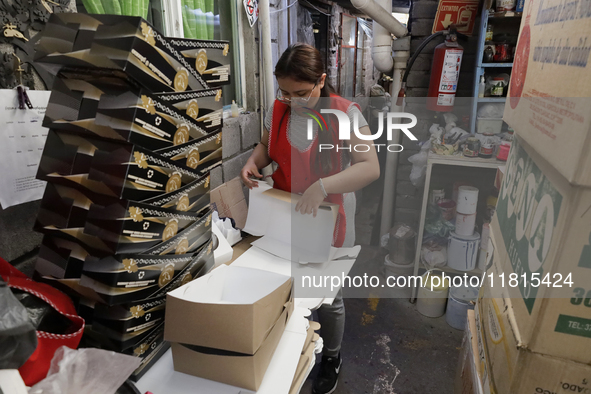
point(234, 109)
point(481, 87)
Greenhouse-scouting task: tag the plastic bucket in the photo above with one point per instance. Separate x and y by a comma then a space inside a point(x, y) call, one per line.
point(402, 244)
point(465, 224)
point(462, 251)
point(467, 200)
point(431, 303)
point(461, 299)
point(396, 270)
point(447, 208)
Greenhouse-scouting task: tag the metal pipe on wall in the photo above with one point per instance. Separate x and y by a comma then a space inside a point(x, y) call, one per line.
point(267, 72)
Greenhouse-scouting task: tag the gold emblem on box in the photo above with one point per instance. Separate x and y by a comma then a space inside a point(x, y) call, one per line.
point(201, 61)
point(182, 247)
point(193, 109)
point(148, 34)
point(170, 230)
point(174, 182)
point(183, 204)
point(166, 275)
point(137, 311)
point(181, 135)
point(181, 80)
point(193, 158)
point(140, 159)
point(130, 265)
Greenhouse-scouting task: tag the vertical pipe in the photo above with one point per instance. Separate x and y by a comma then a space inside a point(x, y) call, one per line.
point(391, 167)
point(267, 72)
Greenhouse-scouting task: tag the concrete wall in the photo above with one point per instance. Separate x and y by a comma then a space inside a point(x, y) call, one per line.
point(422, 15)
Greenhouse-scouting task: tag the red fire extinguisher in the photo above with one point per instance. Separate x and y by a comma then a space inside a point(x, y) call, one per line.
point(445, 72)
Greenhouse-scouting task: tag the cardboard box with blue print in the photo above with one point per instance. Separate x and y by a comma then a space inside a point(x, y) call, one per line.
point(509, 366)
point(542, 236)
point(226, 325)
point(549, 97)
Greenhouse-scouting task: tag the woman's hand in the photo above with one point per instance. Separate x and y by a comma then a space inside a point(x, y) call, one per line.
point(311, 200)
point(250, 169)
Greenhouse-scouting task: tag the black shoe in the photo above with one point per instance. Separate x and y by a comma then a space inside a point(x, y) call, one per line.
point(328, 376)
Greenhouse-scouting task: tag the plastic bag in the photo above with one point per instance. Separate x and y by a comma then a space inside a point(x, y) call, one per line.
point(88, 371)
point(490, 111)
point(18, 339)
point(419, 167)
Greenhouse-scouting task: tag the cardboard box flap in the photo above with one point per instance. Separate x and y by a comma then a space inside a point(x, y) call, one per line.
point(231, 308)
point(286, 233)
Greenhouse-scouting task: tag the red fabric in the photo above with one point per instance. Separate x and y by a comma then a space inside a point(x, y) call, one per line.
point(36, 367)
point(295, 173)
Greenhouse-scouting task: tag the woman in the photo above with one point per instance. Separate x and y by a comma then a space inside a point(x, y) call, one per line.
point(319, 176)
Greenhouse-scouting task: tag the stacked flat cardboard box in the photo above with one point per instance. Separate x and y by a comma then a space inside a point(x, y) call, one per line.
point(535, 332)
point(135, 127)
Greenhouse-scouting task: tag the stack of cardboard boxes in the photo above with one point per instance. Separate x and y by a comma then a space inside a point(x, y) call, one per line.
point(135, 127)
point(225, 326)
point(533, 315)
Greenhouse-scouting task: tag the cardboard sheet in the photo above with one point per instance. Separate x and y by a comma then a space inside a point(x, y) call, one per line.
point(224, 252)
point(312, 298)
point(286, 233)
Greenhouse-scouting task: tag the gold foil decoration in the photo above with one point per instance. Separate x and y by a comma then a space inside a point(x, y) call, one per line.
point(181, 80)
point(193, 158)
point(148, 34)
point(140, 160)
point(182, 247)
point(174, 182)
point(183, 204)
point(181, 135)
point(130, 265)
point(201, 61)
point(166, 275)
point(137, 311)
point(148, 105)
point(193, 109)
point(136, 214)
point(172, 227)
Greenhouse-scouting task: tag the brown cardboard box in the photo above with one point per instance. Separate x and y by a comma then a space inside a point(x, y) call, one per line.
point(468, 378)
point(228, 199)
point(231, 308)
point(542, 229)
point(236, 369)
point(511, 368)
point(550, 91)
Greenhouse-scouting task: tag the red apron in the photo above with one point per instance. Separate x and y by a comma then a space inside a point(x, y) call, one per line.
point(294, 172)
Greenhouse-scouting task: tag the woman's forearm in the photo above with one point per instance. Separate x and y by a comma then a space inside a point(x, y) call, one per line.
point(260, 156)
point(354, 178)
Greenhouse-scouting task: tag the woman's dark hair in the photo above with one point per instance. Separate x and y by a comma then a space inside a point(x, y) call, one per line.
point(303, 63)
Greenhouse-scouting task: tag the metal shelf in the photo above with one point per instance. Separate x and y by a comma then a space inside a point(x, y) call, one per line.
point(449, 270)
point(504, 15)
point(451, 160)
point(487, 65)
point(460, 160)
point(492, 99)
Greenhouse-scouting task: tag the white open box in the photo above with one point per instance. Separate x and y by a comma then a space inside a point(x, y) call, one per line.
point(231, 308)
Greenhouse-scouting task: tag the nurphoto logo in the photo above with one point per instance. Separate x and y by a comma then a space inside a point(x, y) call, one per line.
point(393, 122)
